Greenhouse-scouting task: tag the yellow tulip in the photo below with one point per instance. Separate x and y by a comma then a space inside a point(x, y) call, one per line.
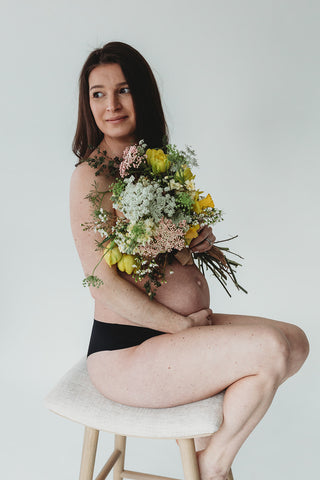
point(112, 256)
point(126, 263)
point(191, 233)
point(158, 160)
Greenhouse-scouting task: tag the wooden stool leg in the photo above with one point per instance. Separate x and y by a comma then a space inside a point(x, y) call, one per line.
point(119, 444)
point(89, 450)
point(189, 459)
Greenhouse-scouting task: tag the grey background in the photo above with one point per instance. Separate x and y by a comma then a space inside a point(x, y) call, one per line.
point(240, 83)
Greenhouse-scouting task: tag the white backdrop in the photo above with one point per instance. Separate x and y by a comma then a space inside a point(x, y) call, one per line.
point(240, 83)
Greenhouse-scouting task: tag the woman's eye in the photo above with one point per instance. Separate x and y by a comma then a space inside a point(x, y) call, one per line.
point(97, 94)
point(125, 90)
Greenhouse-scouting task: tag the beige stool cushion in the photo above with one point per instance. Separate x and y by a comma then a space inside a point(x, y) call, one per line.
point(76, 398)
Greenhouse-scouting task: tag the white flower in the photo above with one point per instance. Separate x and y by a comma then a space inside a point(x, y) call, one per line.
point(146, 198)
point(175, 185)
point(190, 185)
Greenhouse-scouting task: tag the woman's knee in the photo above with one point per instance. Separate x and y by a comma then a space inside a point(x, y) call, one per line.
point(299, 347)
point(277, 353)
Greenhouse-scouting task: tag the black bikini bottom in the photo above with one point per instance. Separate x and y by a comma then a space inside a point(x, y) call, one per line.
point(114, 336)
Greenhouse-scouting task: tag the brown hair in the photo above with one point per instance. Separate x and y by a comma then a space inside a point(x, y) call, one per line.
point(150, 122)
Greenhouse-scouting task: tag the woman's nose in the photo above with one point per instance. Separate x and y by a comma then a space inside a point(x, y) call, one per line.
point(112, 103)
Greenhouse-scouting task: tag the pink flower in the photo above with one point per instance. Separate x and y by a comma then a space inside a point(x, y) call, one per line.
point(167, 237)
point(130, 159)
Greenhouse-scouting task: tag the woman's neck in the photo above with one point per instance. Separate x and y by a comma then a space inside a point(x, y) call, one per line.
point(115, 147)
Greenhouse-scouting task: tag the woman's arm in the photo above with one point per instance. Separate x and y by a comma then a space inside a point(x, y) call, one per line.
point(116, 293)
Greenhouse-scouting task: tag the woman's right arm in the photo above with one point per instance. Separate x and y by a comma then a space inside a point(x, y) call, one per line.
point(116, 293)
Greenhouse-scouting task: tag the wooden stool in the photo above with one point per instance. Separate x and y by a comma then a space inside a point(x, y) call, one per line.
point(75, 398)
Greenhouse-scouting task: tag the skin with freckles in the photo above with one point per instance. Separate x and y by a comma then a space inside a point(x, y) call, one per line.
point(201, 353)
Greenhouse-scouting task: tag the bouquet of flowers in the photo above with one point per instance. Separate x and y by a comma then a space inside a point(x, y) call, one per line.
point(161, 211)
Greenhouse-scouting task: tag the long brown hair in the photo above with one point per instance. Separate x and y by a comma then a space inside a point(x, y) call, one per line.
point(150, 121)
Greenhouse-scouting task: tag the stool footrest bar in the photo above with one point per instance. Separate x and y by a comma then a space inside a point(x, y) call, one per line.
point(143, 476)
point(108, 465)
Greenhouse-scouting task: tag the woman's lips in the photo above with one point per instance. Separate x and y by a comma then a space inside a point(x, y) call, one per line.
point(117, 120)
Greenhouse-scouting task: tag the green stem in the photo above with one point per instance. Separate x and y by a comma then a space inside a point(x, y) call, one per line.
point(102, 257)
point(226, 240)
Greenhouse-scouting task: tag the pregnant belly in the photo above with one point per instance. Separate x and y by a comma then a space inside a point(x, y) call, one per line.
point(186, 290)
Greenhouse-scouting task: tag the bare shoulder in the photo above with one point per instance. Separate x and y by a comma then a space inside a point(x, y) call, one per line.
point(84, 175)
point(83, 181)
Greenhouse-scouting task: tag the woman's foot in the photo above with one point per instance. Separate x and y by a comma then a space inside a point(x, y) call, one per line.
point(209, 470)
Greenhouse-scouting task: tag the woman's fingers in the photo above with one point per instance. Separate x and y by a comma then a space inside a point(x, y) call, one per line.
point(202, 234)
point(202, 317)
point(204, 240)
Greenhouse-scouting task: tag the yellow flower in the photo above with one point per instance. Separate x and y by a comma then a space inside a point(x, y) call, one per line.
point(200, 205)
point(125, 264)
point(158, 160)
point(188, 175)
point(206, 202)
point(191, 233)
point(112, 256)
point(184, 174)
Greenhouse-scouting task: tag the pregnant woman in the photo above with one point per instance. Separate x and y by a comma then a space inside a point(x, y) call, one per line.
point(173, 349)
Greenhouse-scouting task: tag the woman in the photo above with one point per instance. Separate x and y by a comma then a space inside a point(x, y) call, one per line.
point(171, 350)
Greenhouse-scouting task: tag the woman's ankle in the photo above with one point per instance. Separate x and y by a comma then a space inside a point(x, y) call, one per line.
point(212, 468)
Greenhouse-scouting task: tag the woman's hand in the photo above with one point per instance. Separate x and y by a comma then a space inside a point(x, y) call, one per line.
point(204, 240)
point(202, 317)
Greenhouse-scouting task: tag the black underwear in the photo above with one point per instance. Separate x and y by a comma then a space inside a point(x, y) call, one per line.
point(114, 336)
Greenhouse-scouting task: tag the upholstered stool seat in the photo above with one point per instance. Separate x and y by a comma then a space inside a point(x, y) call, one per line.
point(75, 398)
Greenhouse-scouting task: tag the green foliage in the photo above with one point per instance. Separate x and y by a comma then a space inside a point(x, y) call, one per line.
point(98, 162)
point(178, 158)
point(92, 280)
point(114, 166)
point(138, 230)
point(117, 188)
point(185, 201)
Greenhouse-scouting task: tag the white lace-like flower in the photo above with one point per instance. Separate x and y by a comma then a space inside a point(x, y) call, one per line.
point(145, 198)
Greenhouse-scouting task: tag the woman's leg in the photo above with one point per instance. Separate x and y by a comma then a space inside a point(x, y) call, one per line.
point(196, 363)
point(245, 403)
point(251, 360)
point(298, 343)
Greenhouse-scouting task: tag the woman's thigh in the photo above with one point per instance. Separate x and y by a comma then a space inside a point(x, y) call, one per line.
point(298, 342)
point(187, 366)
point(290, 330)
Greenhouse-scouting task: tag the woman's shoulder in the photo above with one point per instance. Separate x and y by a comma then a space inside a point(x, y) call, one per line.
point(86, 174)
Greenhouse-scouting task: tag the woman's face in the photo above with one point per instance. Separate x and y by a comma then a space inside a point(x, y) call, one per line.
point(111, 103)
